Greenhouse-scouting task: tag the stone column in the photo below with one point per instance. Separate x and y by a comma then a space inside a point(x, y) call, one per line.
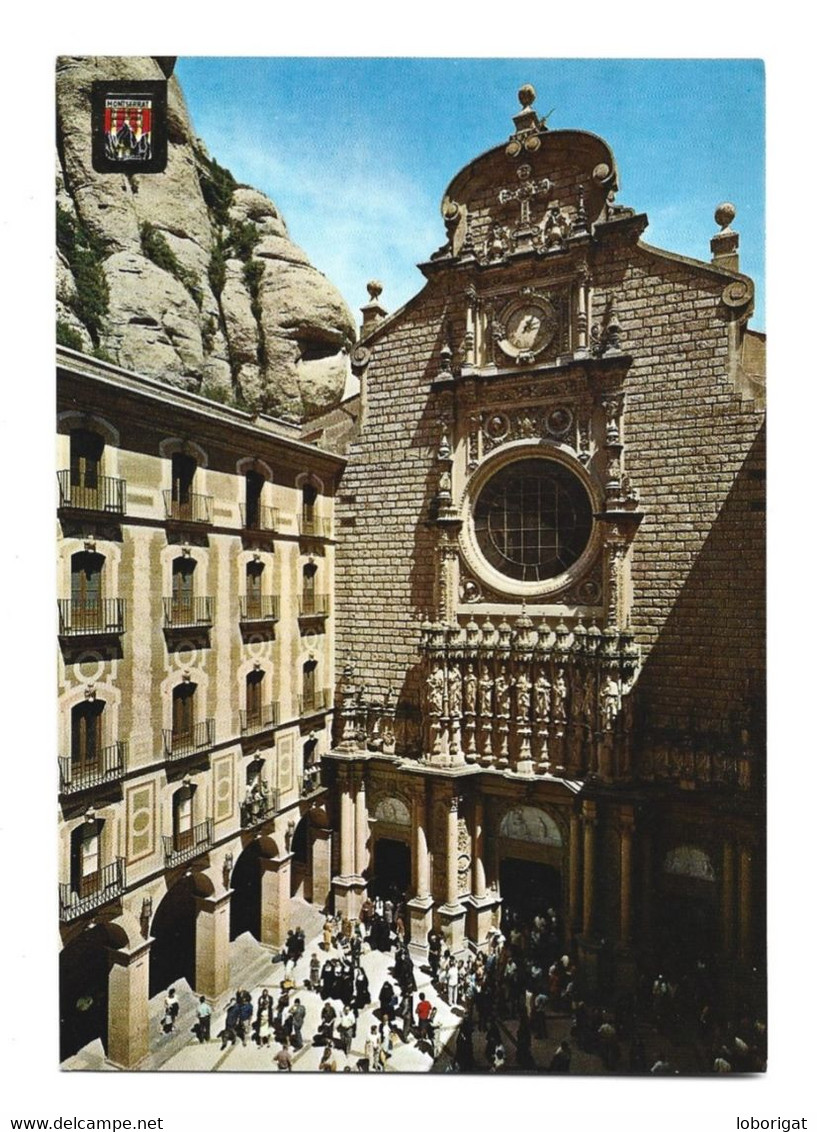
point(347, 827)
point(421, 905)
point(646, 892)
point(478, 848)
point(321, 865)
point(626, 826)
point(349, 887)
point(361, 829)
point(128, 989)
point(452, 913)
point(746, 911)
point(574, 875)
point(275, 897)
point(481, 904)
point(728, 899)
point(588, 894)
point(213, 944)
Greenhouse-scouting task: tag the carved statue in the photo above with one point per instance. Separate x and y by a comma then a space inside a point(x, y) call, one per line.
point(288, 835)
point(556, 228)
point(503, 693)
point(523, 687)
point(498, 242)
point(454, 690)
point(541, 692)
point(470, 685)
point(486, 687)
point(434, 684)
point(611, 698)
point(589, 700)
point(560, 696)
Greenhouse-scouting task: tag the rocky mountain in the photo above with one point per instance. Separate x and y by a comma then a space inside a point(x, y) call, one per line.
point(187, 275)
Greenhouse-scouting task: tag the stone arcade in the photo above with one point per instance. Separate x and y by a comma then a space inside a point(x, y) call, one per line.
point(507, 652)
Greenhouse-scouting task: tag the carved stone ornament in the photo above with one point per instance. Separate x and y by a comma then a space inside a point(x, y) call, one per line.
point(360, 357)
point(470, 590)
point(736, 294)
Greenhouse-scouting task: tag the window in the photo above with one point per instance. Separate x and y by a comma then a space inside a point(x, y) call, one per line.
point(184, 698)
point(86, 459)
point(254, 484)
point(309, 497)
point(310, 573)
point(310, 694)
point(255, 576)
point(85, 859)
point(255, 685)
point(532, 520)
point(183, 818)
point(183, 470)
point(86, 737)
point(86, 590)
point(182, 599)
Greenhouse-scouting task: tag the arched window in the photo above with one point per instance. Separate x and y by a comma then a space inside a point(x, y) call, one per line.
point(253, 486)
point(85, 858)
point(86, 738)
point(183, 817)
point(183, 470)
point(184, 704)
point(86, 591)
point(255, 577)
point(182, 603)
point(309, 575)
point(310, 692)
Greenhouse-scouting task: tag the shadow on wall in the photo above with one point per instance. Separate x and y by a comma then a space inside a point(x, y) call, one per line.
point(706, 671)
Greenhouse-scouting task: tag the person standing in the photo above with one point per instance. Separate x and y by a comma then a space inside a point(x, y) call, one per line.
point(371, 1053)
point(203, 1013)
point(423, 1015)
point(346, 1029)
point(283, 1058)
point(560, 1062)
point(453, 980)
point(171, 1005)
point(328, 1063)
point(298, 1015)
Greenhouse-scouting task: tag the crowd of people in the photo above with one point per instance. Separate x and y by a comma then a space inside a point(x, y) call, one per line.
point(500, 1002)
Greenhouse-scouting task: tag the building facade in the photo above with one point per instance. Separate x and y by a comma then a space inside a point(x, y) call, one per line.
point(196, 668)
point(550, 585)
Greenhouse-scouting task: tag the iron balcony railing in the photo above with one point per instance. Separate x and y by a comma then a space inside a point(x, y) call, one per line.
point(261, 607)
point(102, 493)
point(182, 613)
point(198, 737)
point(187, 844)
point(78, 898)
point(313, 605)
point(89, 616)
point(259, 808)
point(258, 719)
point(108, 766)
point(259, 518)
point(193, 509)
point(315, 526)
point(310, 781)
point(319, 700)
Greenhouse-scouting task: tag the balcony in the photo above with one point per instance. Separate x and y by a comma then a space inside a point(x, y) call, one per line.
point(92, 891)
point(258, 608)
point(188, 843)
point(193, 509)
point(91, 617)
point(259, 518)
point(313, 605)
point(107, 767)
point(258, 719)
point(310, 781)
point(261, 806)
point(311, 526)
point(104, 494)
point(320, 700)
point(181, 744)
point(186, 613)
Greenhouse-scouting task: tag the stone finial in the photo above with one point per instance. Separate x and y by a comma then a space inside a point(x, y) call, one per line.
point(725, 213)
point(528, 124)
point(373, 312)
point(526, 95)
point(724, 245)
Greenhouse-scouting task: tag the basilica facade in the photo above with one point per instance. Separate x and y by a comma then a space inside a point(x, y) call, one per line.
point(550, 586)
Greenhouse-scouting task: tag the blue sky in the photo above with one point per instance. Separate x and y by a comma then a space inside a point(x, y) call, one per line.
point(357, 152)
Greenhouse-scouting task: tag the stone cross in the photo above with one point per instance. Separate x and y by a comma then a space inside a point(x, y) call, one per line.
point(524, 192)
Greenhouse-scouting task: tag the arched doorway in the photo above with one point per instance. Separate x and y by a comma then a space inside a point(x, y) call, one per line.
point(245, 905)
point(83, 993)
point(529, 887)
point(529, 853)
point(173, 955)
point(391, 877)
point(687, 928)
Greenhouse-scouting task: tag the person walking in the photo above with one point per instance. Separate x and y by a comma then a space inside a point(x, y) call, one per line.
point(371, 1052)
point(203, 1015)
point(423, 1014)
point(231, 1023)
point(171, 1011)
point(297, 1013)
point(346, 1028)
point(283, 1058)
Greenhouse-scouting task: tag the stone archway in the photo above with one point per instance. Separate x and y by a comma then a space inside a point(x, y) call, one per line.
point(173, 954)
point(300, 877)
point(84, 970)
point(529, 861)
point(245, 906)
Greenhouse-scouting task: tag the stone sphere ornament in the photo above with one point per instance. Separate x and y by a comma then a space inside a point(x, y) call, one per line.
point(527, 95)
point(725, 213)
